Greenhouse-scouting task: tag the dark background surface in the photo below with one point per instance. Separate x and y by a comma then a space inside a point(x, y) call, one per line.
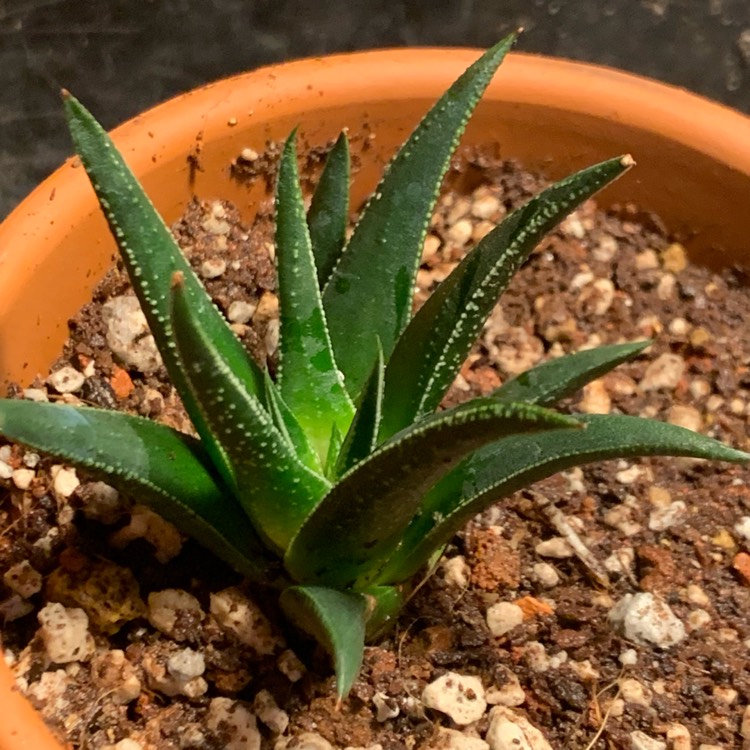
point(122, 56)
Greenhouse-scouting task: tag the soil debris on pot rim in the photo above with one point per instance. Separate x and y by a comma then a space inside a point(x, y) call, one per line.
point(513, 636)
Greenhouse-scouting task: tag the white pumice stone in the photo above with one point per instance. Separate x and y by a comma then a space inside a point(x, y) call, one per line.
point(503, 617)
point(268, 711)
point(65, 481)
point(241, 616)
point(128, 334)
point(510, 730)
point(647, 619)
point(459, 696)
point(23, 579)
point(186, 664)
point(164, 607)
point(236, 722)
point(65, 633)
point(664, 372)
point(452, 739)
point(240, 311)
point(22, 478)
point(308, 741)
point(212, 268)
point(66, 380)
point(641, 741)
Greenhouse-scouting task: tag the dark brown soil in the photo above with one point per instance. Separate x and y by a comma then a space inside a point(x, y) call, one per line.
point(671, 527)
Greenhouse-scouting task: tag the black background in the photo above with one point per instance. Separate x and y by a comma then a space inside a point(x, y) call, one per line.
point(122, 56)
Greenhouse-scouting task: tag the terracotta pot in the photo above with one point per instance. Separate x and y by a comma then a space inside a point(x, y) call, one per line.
point(693, 170)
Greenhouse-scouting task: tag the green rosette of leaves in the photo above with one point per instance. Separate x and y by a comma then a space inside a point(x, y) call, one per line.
point(340, 481)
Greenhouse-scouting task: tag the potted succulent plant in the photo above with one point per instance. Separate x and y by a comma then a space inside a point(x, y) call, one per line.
point(347, 434)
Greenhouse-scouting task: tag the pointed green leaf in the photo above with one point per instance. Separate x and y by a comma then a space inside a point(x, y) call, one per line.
point(362, 437)
point(276, 490)
point(160, 467)
point(360, 304)
point(497, 470)
point(287, 425)
point(438, 339)
point(308, 377)
point(357, 525)
point(328, 215)
point(559, 378)
point(336, 619)
point(151, 255)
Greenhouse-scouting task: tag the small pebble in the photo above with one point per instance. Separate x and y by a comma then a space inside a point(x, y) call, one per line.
point(509, 730)
point(165, 606)
point(685, 416)
point(212, 268)
point(596, 399)
point(461, 697)
point(628, 658)
point(186, 664)
point(65, 633)
point(503, 617)
point(646, 618)
point(242, 617)
point(23, 579)
point(128, 334)
point(238, 726)
point(664, 372)
point(509, 693)
point(35, 394)
point(65, 481)
point(460, 233)
point(546, 574)
point(674, 258)
point(452, 739)
point(742, 528)
point(456, 571)
point(66, 380)
point(661, 519)
point(557, 547)
point(268, 711)
point(385, 707)
point(633, 691)
point(240, 311)
point(307, 741)
point(290, 666)
point(641, 741)
point(22, 478)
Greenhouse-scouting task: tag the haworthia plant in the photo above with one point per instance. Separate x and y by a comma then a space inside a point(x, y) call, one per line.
point(338, 483)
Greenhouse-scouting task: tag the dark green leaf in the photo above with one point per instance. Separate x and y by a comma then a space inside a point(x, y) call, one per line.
point(438, 339)
point(160, 467)
point(559, 378)
point(151, 256)
point(276, 490)
point(350, 534)
point(362, 305)
point(362, 437)
point(497, 470)
point(336, 619)
point(308, 377)
point(328, 214)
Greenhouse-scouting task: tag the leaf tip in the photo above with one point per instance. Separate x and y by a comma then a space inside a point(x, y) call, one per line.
point(178, 280)
point(627, 161)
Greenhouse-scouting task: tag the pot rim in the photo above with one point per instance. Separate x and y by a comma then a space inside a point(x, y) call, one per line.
point(707, 127)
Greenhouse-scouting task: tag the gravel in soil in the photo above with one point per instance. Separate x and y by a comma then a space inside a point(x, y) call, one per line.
point(126, 635)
